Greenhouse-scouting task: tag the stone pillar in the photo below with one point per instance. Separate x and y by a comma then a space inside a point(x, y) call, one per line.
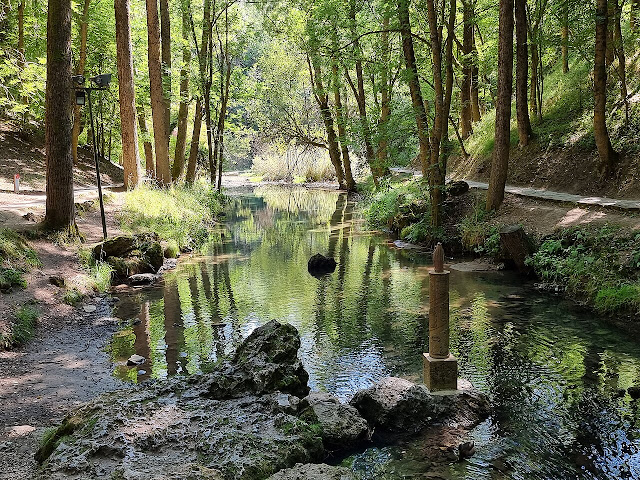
point(440, 367)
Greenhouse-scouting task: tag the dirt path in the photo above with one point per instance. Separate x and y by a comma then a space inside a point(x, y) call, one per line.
point(65, 364)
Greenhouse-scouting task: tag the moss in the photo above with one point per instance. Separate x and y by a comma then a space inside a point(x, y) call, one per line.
point(54, 437)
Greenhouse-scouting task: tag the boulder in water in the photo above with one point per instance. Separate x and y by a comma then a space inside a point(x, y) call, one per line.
point(320, 265)
point(312, 471)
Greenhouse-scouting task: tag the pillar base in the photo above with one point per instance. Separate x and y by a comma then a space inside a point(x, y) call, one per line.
point(440, 373)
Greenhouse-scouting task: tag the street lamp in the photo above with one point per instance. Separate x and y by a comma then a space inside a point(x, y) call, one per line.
point(102, 83)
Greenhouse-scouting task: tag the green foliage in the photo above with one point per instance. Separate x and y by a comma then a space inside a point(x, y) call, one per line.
point(477, 235)
point(73, 296)
point(16, 257)
point(172, 250)
point(100, 275)
point(385, 204)
point(23, 326)
point(600, 267)
point(179, 213)
point(417, 232)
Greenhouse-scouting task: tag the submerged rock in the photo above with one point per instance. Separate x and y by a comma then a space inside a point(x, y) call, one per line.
point(187, 428)
point(342, 426)
point(313, 472)
point(319, 265)
point(131, 254)
point(142, 279)
point(135, 360)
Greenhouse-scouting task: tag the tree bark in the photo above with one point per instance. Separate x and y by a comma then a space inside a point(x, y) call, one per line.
point(465, 85)
point(475, 102)
point(60, 207)
point(165, 38)
point(500, 161)
point(21, 32)
point(181, 139)
point(608, 156)
point(149, 164)
point(611, 13)
point(195, 144)
point(158, 104)
point(564, 35)
point(130, 159)
point(82, 59)
point(522, 72)
point(342, 133)
point(322, 99)
point(633, 16)
point(533, 88)
point(385, 91)
point(622, 62)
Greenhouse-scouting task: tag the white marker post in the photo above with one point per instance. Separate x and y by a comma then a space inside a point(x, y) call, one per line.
point(16, 183)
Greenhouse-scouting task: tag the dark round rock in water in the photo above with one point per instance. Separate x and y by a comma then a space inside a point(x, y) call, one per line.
point(319, 265)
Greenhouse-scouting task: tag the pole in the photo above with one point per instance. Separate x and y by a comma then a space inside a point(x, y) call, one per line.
point(95, 157)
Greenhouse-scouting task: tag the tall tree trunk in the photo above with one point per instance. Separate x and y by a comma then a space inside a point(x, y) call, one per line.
point(195, 144)
point(465, 85)
point(422, 122)
point(533, 87)
point(130, 159)
point(622, 62)
point(181, 140)
point(608, 156)
point(522, 72)
point(21, 32)
point(165, 38)
point(377, 171)
point(158, 104)
point(322, 99)
point(500, 160)
point(149, 164)
point(564, 35)
point(82, 59)
point(226, 80)
point(611, 13)
point(385, 90)
point(60, 207)
point(475, 102)
point(342, 132)
point(436, 175)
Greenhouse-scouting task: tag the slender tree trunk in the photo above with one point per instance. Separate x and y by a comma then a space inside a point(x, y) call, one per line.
point(622, 61)
point(223, 113)
point(500, 161)
point(60, 207)
point(533, 88)
point(149, 164)
point(522, 72)
point(422, 122)
point(82, 59)
point(165, 38)
point(475, 102)
point(195, 144)
point(342, 132)
point(181, 140)
point(564, 35)
point(608, 157)
point(323, 102)
point(158, 104)
point(465, 85)
point(21, 32)
point(385, 91)
point(130, 159)
point(611, 13)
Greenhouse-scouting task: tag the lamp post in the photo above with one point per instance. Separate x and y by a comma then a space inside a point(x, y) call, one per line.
point(102, 83)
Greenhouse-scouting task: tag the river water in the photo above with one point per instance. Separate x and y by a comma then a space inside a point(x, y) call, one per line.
point(551, 371)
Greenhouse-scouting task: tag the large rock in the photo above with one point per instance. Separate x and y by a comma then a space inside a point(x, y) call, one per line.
point(131, 254)
point(267, 361)
point(176, 429)
point(399, 407)
point(319, 265)
point(313, 471)
point(342, 426)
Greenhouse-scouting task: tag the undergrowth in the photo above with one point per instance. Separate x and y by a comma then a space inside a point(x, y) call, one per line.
point(16, 258)
point(23, 326)
point(179, 213)
point(600, 267)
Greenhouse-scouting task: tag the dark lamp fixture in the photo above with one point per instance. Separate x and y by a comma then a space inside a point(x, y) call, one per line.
point(102, 81)
point(80, 97)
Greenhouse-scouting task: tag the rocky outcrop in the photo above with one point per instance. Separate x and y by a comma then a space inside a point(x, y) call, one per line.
point(319, 265)
point(189, 428)
point(341, 424)
point(457, 188)
point(313, 472)
point(399, 407)
point(131, 254)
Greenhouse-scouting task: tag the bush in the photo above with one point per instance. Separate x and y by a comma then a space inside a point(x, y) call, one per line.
point(179, 213)
point(477, 235)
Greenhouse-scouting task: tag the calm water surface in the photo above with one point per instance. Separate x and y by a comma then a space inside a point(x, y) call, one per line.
point(551, 371)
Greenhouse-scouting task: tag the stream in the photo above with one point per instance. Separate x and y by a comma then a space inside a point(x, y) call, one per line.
point(553, 372)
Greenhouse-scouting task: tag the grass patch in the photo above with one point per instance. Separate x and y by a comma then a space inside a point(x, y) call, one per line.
point(16, 258)
point(600, 267)
point(23, 327)
point(179, 213)
point(477, 235)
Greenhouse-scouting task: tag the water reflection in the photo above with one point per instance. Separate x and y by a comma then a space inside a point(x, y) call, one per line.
point(552, 372)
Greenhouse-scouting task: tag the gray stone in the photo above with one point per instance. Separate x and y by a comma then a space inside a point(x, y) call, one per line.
point(135, 360)
point(142, 279)
point(342, 425)
point(312, 471)
point(89, 308)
